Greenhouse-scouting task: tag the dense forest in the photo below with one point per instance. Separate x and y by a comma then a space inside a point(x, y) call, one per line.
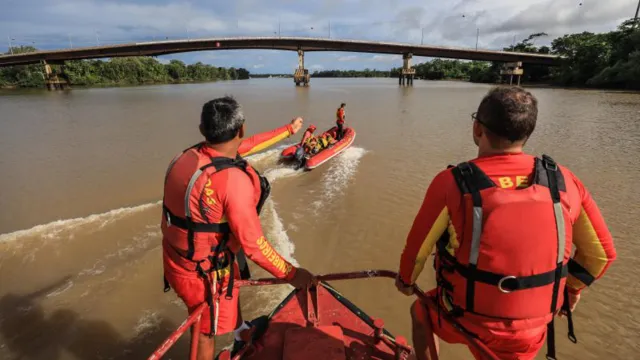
point(117, 71)
point(607, 60)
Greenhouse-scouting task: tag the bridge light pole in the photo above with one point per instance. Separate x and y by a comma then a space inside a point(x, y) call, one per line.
point(422, 38)
point(10, 45)
point(477, 30)
point(97, 39)
point(70, 43)
point(330, 27)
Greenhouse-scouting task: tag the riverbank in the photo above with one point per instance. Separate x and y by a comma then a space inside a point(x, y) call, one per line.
point(125, 71)
point(116, 85)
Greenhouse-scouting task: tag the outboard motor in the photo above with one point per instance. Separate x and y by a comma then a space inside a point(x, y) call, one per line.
point(299, 156)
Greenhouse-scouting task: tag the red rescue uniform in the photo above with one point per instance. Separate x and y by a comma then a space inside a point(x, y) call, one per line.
point(226, 201)
point(340, 116)
point(510, 330)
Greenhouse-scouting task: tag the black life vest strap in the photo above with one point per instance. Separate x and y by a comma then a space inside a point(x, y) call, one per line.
point(551, 340)
point(541, 175)
point(471, 180)
point(468, 173)
point(507, 283)
point(555, 181)
point(187, 224)
point(580, 273)
point(222, 257)
point(208, 294)
point(551, 169)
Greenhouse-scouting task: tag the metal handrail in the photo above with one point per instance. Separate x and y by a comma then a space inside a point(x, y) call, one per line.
point(194, 318)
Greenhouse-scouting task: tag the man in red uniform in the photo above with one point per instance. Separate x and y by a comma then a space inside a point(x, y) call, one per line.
point(300, 151)
point(340, 121)
point(538, 204)
point(212, 199)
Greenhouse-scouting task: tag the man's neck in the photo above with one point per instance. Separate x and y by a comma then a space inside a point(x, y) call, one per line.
point(228, 149)
point(493, 152)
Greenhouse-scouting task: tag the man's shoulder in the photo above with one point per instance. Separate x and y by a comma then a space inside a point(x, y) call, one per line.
point(444, 177)
point(230, 179)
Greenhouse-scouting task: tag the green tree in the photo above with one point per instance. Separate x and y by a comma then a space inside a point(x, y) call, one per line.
point(23, 75)
point(233, 74)
point(177, 70)
point(243, 74)
point(586, 54)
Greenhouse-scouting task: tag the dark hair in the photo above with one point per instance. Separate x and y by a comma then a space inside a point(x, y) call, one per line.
point(509, 112)
point(221, 119)
point(342, 105)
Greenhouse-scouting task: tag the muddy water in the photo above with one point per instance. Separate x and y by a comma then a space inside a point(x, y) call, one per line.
point(80, 258)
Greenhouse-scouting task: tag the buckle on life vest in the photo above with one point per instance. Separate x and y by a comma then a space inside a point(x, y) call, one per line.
point(501, 282)
point(549, 163)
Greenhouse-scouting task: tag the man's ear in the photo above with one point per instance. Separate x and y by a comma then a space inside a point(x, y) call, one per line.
point(241, 132)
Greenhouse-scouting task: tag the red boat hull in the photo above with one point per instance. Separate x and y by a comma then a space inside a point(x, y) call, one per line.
point(317, 323)
point(321, 324)
point(325, 155)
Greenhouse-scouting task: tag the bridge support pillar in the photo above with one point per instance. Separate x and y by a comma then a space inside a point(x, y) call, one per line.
point(407, 73)
point(51, 79)
point(301, 76)
point(511, 70)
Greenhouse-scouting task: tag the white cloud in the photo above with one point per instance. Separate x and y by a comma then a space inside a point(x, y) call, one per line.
point(386, 58)
point(258, 66)
point(348, 58)
point(316, 67)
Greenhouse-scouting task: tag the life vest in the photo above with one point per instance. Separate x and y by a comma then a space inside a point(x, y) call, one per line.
point(340, 116)
point(325, 141)
point(515, 247)
point(190, 239)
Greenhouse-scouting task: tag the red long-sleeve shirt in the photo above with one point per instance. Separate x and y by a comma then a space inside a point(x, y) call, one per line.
point(230, 196)
point(264, 140)
point(441, 210)
point(340, 116)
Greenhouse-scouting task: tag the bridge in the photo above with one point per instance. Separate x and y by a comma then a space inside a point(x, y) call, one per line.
point(299, 44)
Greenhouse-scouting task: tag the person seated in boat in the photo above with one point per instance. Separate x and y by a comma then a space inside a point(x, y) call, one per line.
point(308, 134)
point(220, 223)
point(328, 140)
point(301, 150)
point(488, 275)
point(312, 146)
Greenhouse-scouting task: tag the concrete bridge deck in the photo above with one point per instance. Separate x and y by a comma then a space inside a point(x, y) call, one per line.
point(154, 48)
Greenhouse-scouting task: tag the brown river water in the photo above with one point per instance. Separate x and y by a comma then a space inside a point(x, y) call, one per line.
point(80, 244)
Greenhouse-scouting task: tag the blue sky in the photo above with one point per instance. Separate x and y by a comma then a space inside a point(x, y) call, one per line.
point(50, 24)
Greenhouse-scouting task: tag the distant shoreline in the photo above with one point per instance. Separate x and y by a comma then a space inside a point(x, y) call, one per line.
point(534, 85)
point(117, 85)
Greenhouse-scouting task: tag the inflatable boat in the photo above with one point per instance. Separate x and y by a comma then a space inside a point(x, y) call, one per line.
point(312, 161)
point(317, 323)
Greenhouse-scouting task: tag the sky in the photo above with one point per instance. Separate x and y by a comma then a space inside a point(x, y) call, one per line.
point(54, 24)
